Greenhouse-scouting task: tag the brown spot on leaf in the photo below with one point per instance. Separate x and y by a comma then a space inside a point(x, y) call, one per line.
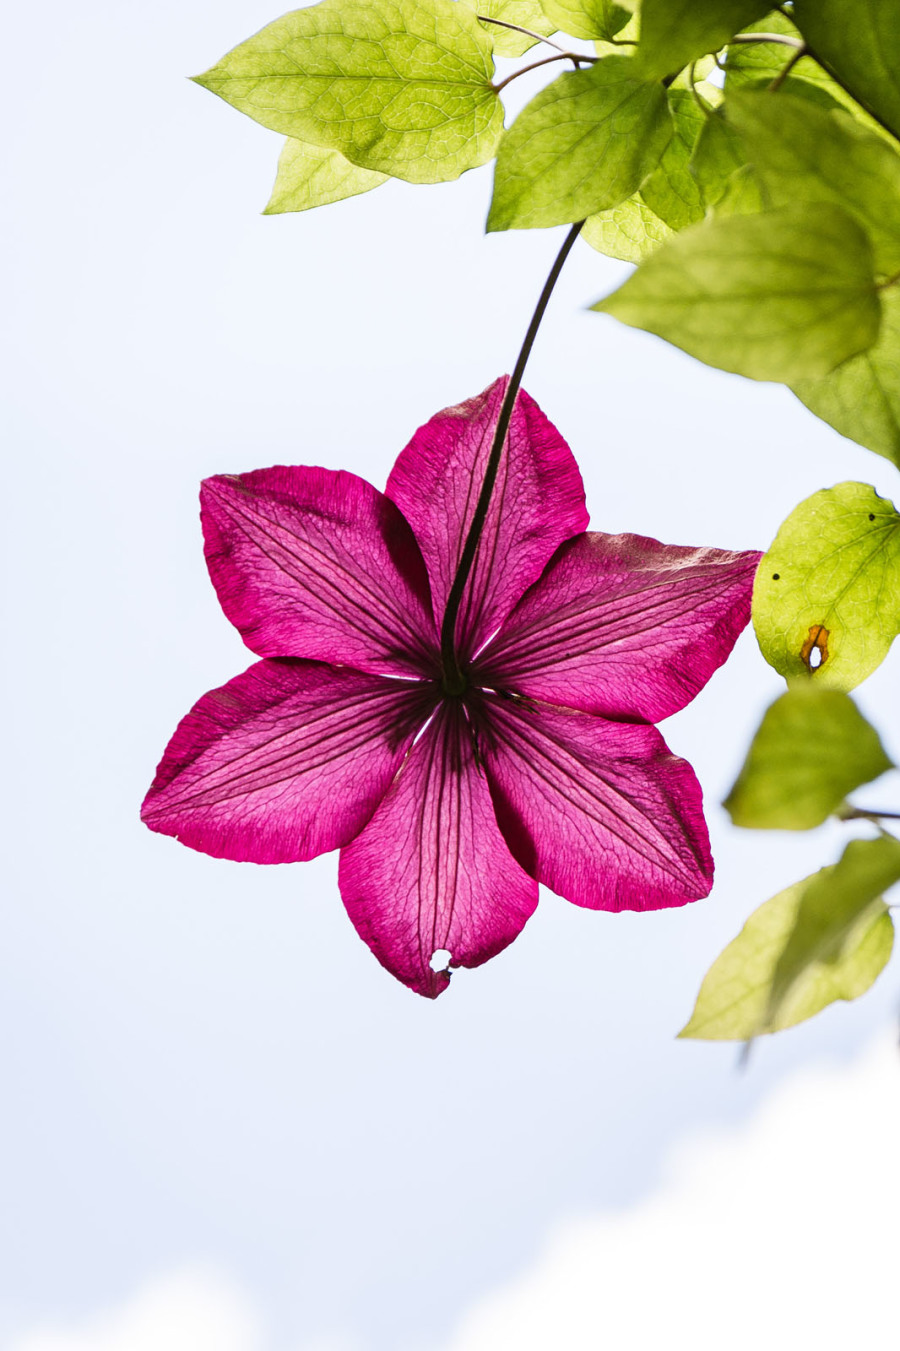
point(814, 651)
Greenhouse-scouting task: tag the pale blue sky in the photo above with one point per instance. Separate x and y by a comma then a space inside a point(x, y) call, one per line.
point(201, 1061)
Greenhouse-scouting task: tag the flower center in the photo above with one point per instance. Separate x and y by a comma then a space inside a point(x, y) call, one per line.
point(454, 683)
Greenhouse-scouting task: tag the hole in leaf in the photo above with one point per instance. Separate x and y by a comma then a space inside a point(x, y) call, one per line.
point(814, 651)
point(775, 576)
point(871, 515)
point(440, 960)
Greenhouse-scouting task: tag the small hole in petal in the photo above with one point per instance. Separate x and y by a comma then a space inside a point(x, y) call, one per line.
point(440, 960)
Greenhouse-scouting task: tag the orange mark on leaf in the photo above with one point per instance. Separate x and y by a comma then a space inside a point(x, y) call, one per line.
point(814, 651)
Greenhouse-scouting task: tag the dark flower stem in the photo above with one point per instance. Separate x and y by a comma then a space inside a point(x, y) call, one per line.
point(454, 679)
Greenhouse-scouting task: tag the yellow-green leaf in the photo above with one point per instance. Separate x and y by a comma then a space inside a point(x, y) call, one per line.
point(860, 44)
point(672, 191)
point(831, 907)
point(402, 87)
point(629, 231)
point(826, 599)
point(861, 399)
point(587, 18)
point(781, 295)
point(717, 156)
point(812, 748)
point(523, 13)
point(803, 153)
point(584, 144)
point(309, 176)
point(735, 999)
point(676, 32)
point(626, 39)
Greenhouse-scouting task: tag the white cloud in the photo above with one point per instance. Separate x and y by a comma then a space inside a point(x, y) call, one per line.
point(781, 1235)
point(193, 1310)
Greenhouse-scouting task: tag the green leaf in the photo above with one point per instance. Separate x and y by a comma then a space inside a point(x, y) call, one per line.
point(860, 45)
point(399, 86)
point(826, 600)
point(524, 13)
point(752, 64)
point(861, 399)
point(830, 908)
point(778, 296)
point(676, 32)
point(671, 191)
point(729, 185)
point(587, 18)
point(585, 143)
point(735, 999)
point(742, 196)
point(804, 154)
point(626, 39)
point(694, 77)
point(813, 747)
point(310, 176)
point(718, 153)
point(629, 231)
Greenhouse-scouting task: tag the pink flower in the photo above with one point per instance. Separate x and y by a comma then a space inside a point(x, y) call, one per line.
point(449, 810)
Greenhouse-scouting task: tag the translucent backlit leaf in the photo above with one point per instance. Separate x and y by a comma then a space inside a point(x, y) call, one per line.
point(860, 45)
point(777, 296)
point(730, 186)
point(676, 32)
point(587, 18)
point(524, 13)
point(629, 231)
point(626, 39)
point(826, 601)
point(813, 747)
point(735, 1002)
point(758, 64)
point(584, 144)
point(861, 399)
point(803, 153)
point(672, 192)
point(399, 86)
point(831, 907)
point(309, 176)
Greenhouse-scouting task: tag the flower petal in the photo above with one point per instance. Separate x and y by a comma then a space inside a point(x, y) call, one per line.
point(599, 811)
point(317, 563)
point(431, 871)
point(538, 502)
point(623, 625)
point(284, 762)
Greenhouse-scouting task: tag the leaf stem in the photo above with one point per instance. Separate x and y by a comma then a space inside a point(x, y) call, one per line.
point(811, 52)
point(545, 61)
point(782, 39)
point(454, 680)
point(698, 99)
point(516, 28)
point(782, 75)
point(849, 813)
